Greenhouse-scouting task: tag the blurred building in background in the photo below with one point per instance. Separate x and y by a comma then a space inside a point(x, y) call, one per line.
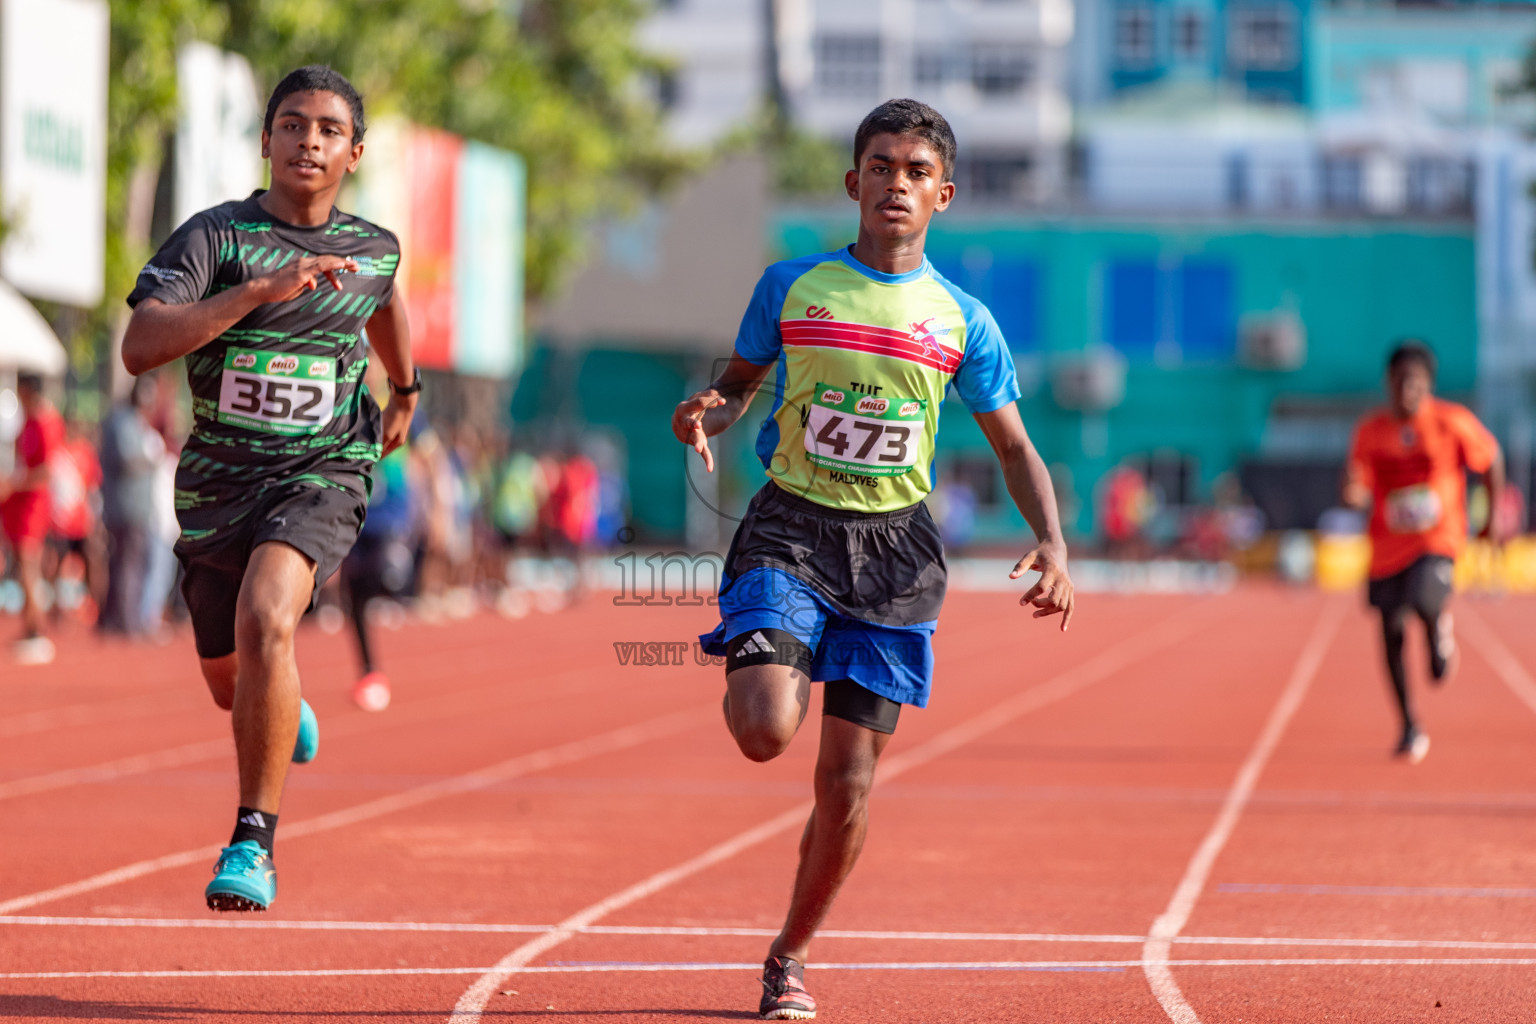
point(1260, 48)
point(1201, 225)
point(998, 71)
point(718, 60)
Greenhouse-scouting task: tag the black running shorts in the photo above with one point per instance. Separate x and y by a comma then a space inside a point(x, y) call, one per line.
point(320, 521)
point(1424, 587)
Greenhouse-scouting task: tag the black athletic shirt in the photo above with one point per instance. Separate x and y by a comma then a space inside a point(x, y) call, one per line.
point(277, 399)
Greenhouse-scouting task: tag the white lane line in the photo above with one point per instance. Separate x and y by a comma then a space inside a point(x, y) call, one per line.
point(936, 965)
point(471, 1004)
point(577, 750)
point(1505, 665)
point(403, 927)
point(174, 757)
point(449, 706)
point(1154, 954)
point(1461, 891)
point(93, 712)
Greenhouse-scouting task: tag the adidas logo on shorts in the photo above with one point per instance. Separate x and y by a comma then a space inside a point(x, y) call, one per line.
point(756, 644)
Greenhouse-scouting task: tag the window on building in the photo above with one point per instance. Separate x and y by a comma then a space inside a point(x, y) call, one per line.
point(848, 65)
point(1263, 38)
point(1439, 185)
point(1199, 295)
point(668, 89)
point(1008, 285)
point(1189, 36)
point(1132, 312)
point(1207, 324)
point(995, 176)
point(1135, 36)
point(928, 67)
point(1237, 175)
point(1000, 69)
point(1341, 183)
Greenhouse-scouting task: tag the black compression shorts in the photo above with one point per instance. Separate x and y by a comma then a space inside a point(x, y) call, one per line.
point(846, 699)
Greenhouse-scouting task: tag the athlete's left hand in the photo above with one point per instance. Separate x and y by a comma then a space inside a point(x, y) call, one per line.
point(397, 420)
point(1052, 593)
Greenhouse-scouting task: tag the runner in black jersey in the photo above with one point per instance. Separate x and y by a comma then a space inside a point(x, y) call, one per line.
point(267, 299)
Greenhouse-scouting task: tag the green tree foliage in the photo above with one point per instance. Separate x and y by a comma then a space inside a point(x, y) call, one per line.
point(558, 81)
point(141, 114)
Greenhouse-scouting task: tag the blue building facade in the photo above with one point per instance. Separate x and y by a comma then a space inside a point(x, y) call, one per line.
point(1258, 47)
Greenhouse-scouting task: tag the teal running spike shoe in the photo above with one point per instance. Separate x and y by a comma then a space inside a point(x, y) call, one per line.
point(308, 744)
point(243, 879)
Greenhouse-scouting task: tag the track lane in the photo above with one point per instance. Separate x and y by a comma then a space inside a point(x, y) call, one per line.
point(1066, 814)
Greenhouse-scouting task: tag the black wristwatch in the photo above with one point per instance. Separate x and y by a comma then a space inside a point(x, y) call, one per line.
point(414, 387)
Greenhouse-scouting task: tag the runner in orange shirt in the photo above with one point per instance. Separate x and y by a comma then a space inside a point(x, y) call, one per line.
point(1408, 465)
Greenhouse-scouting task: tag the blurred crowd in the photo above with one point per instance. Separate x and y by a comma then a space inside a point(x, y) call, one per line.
point(454, 520)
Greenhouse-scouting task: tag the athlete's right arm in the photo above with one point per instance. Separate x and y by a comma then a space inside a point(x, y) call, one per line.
point(159, 332)
point(712, 411)
point(1356, 488)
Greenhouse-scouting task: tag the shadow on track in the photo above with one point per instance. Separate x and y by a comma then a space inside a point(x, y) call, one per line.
point(41, 1007)
point(49, 1007)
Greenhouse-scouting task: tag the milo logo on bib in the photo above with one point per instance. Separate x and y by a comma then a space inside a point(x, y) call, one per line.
point(259, 392)
point(862, 434)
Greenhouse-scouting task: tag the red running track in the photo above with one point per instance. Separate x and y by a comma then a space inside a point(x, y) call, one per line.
point(1211, 773)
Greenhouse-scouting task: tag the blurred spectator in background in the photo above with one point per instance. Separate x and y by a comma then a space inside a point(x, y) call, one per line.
point(26, 511)
point(570, 514)
point(131, 454)
point(1126, 505)
point(75, 489)
point(160, 567)
point(447, 539)
point(612, 495)
point(519, 494)
point(953, 504)
point(380, 565)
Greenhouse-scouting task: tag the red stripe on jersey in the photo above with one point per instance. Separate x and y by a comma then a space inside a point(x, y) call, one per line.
point(873, 340)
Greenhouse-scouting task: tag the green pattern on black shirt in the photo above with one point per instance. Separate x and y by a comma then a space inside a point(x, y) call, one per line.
point(227, 468)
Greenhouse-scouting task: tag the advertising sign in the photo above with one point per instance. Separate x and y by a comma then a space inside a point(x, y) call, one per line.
point(428, 267)
point(218, 129)
point(457, 208)
point(53, 140)
point(488, 263)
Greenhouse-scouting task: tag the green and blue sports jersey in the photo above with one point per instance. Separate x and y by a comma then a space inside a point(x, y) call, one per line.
point(864, 360)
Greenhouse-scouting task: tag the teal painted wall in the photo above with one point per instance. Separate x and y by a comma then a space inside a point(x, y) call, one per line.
point(626, 392)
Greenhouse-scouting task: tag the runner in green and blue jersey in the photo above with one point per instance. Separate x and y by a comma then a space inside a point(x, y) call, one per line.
point(836, 574)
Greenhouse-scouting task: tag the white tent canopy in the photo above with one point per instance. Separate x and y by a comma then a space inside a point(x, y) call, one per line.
point(27, 343)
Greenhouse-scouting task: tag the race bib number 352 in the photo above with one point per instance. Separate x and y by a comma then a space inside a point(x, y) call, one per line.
point(280, 394)
point(864, 434)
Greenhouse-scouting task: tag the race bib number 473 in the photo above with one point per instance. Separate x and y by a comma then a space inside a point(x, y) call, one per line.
point(863, 434)
point(280, 394)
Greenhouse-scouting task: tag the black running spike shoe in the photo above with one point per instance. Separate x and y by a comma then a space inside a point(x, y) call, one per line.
point(784, 994)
